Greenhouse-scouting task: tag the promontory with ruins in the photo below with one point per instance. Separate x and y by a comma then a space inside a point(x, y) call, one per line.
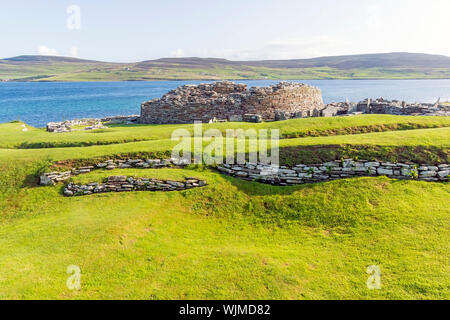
point(227, 101)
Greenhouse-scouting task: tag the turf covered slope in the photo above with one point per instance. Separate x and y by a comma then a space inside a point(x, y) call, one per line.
point(230, 240)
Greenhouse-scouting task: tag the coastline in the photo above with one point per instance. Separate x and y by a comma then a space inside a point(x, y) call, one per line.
point(43, 102)
point(222, 79)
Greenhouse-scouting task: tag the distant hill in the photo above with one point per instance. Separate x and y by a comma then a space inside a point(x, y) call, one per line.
point(46, 59)
point(386, 60)
point(190, 62)
point(399, 65)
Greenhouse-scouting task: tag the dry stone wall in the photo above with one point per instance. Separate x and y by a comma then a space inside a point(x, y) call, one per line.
point(233, 102)
point(283, 176)
point(52, 178)
point(128, 184)
point(334, 170)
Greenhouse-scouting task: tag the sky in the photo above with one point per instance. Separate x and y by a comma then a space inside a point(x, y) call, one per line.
point(136, 30)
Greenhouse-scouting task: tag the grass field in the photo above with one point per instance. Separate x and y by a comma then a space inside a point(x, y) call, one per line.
point(14, 137)
point(232, 239)
point(120, 73)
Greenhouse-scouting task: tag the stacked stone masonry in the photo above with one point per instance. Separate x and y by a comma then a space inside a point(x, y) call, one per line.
point(334, 170)
point(53, 178)
point(383, 106)
point(128, 184)
point(299, 174)
point(90, 124)
point(232, 102)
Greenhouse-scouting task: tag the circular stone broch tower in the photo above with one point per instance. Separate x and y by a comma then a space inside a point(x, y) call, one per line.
point(230, 101)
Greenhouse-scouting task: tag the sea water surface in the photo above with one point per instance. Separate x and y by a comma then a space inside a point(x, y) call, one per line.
point(40, 102)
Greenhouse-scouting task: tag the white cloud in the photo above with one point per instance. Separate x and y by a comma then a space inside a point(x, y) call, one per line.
point(178, 53)
point(73, 52)
point(283, 48)
point(46, 51)
point(296, 48)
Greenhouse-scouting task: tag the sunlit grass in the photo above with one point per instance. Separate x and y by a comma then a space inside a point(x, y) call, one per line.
point(14, 137)
point(231, 239)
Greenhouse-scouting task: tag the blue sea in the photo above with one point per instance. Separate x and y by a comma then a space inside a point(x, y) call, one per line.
point(42, 102)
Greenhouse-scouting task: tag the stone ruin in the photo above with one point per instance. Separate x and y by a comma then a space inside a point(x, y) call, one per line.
point(259, 172)
point(52, 178)
point(383, 106)
point(334, 170)
point(128, 184)
point(90, 124)
point(228, 101)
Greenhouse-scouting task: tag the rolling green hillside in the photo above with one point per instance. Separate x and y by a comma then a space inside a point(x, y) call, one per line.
point(375, 66)
point(232, 239)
